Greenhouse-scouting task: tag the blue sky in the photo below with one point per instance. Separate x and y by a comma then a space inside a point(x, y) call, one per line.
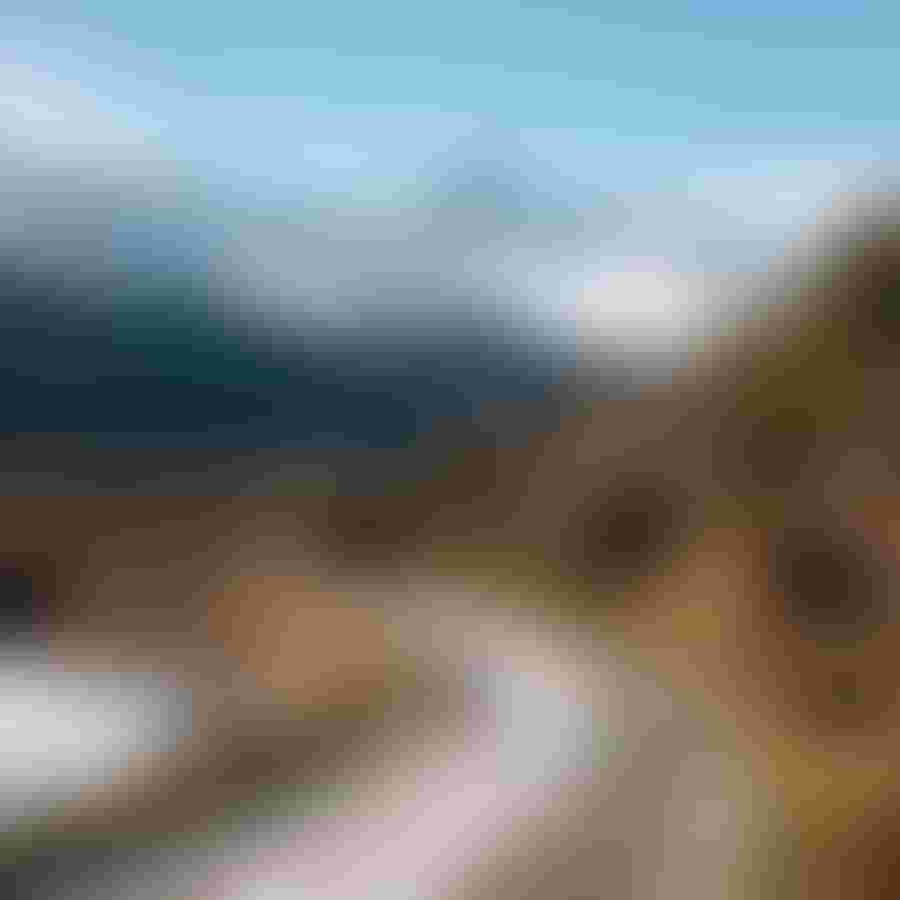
point(665, 74)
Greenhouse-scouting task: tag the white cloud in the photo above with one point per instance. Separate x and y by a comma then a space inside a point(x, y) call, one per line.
point(775, 195)
point(50, 119)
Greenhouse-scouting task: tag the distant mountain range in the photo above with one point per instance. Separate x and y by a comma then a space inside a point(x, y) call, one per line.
point(141, 319)
point(134, 356)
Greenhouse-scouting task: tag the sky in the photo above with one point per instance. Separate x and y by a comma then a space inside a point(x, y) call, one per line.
point(681, 77)
point(724, 127)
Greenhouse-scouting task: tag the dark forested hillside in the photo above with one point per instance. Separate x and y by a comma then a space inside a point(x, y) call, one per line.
point(159, 359)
